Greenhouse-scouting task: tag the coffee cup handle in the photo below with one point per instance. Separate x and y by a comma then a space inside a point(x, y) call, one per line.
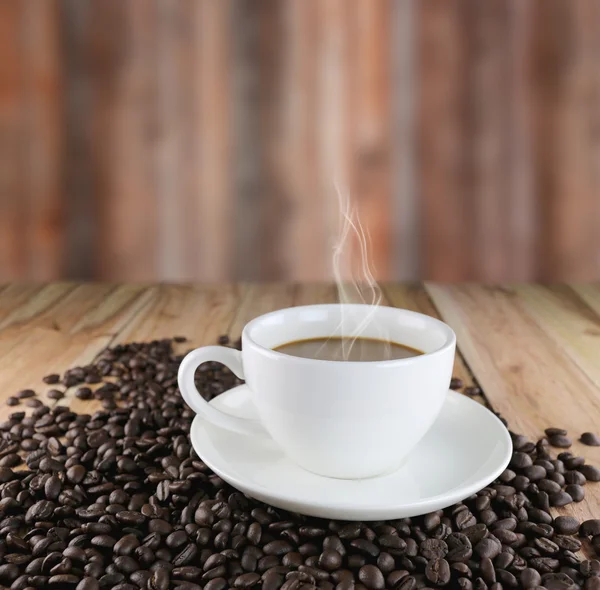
point(232, 359)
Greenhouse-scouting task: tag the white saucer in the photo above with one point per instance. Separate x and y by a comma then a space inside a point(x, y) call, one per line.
point(466, 449)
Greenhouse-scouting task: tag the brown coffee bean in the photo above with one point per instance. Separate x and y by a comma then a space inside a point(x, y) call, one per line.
point(433, 548)
point(530, 578)
point(473, 390)
point(371, 577)
point(555, 432)
point(330, 560)
point(488, 547)
point(591, 472)
point(560, 441)
point(591, 439)
point(560, 499)
point(456, 383)
point(557, 581)
point(438, 571)
point(590, 528)
point(277, 547)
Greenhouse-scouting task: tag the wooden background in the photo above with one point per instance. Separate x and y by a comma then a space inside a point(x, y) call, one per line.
point(200, 139)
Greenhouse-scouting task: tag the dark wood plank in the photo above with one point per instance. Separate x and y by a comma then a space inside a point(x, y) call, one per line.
point(44, 149)
point(442, 160)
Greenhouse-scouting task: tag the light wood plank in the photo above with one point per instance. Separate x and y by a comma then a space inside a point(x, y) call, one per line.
point(590, 294)
point(526, 375)
point(14, 295)
point(69, 332)
point(569, 321)
point(312, 293)
point(259, 299)
point(415, 298)
point(200, 313)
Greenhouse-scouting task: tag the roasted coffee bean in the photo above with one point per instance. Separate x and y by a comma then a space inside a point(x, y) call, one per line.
point(330, 560)
point(433, 548)
point(591, 439)
point(488, 547)
point(438, 571)
point(456, 383)
point(118, 498)
point(560, 440)
point(473, 390)
point(591, 472)
point(557, 581)
point(371, 577)
point(560, 499)
point(576, 492)
point(555, 432)
point(365, 547)
point(590, 528)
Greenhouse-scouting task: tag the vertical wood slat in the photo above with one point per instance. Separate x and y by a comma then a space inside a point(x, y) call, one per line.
point(487, 139)
point(212, 189)
point(405, 211)
point(566, 63)
point(171, 172)
point(125, 134)
point(44, 149)
point(441, 169)
point(12, 195)
point(369, 125)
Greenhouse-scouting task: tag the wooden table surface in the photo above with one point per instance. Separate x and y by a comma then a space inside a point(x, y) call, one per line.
point(534, 350)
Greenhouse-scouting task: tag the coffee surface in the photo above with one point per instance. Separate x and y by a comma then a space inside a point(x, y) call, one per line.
point(348, 349)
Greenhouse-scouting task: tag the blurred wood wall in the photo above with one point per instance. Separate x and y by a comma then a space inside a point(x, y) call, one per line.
point(201, 139)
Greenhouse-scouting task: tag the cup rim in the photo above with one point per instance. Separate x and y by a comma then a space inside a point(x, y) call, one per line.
point(449, 342)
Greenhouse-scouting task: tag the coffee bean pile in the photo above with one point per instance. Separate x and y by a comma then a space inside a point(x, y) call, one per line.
point(119, 499)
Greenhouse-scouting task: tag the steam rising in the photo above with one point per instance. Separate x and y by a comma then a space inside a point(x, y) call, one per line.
point(351, 259)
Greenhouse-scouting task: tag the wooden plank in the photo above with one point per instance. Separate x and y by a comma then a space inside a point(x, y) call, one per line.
point(259, 299)
point(405, 208)
point(568, 320)
point(414, 298)
point(80, 150)
point(565, 56)
point(175, 240)
point(526, 375)
point(520, 200)
point(44, 150)
point(59, 329)
point(211, 185)
point(369, 121)
point(487, 142)
point(15, 295)
point(12, 145)
point(27, 303)
point(124, 118)
point(590, 293)
point(313, 293)
point(311, 38)
point(200, 313)
point(441, 173)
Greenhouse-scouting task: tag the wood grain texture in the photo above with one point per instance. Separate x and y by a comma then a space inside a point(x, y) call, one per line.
point(60, 327)
point(530, 347)
point(127, 133)
point(200, 140)
point(12, 143)
point(369, 125)
point(526, 374)
point(442, 161)
point(415, 298)
point(565, 62)
point(43, 155)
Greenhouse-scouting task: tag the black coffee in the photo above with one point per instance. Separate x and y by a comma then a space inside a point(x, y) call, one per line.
point(348, 349)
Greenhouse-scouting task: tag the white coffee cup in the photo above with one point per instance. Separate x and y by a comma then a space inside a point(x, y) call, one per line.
point(335, 418)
